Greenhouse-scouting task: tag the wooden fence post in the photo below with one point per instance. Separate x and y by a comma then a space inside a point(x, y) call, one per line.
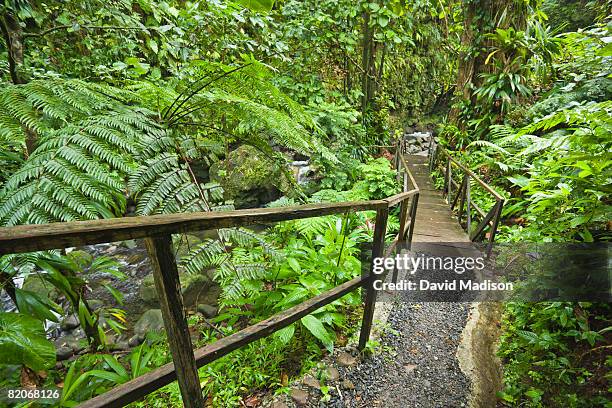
point(165, 274)
point(469, 205)
point(498, 212)
point(403, 219)
point(413, 211)
point(378, 249)
point(450, 181)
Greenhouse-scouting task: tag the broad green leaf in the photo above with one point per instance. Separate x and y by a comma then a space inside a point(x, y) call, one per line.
point(519, 180)
point(294, 264)
point(153, 45)
point(115, 365)
point(32, 304)
point(263, 6)
point(285, 334)
point(107, 375)
point(23, 341)
point(317, 329)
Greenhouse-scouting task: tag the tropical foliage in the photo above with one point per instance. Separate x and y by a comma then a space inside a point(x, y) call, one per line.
point(136, 107)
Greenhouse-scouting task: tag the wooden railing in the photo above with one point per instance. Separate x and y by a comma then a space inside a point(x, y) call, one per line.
point(462, 200)
point(156, 231)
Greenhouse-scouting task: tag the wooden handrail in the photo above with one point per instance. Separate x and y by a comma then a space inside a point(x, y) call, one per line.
point(405, 165)
point(463, 196)
point(39, 237)
point(472, 174)
point(395, 199)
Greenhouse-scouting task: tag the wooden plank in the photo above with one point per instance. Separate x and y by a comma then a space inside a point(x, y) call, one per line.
point(430, 229)
point(164, 375)
point(378, 248)
point(438, 238)
point(165, 274)
point(434, 205)
point(39, 237)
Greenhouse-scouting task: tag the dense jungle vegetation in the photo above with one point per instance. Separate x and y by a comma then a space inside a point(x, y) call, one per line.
point(135, 107)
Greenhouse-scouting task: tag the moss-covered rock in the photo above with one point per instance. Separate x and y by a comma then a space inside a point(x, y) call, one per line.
point(35, 283)
point(196, 288)
point(248, 177)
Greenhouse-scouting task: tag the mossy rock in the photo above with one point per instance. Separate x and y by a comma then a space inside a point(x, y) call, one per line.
point(35, 283)
point(196, 288)
point(150, 321)
point(248, 177)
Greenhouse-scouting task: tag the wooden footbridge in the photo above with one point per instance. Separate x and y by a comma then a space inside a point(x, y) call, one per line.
point(426, 215)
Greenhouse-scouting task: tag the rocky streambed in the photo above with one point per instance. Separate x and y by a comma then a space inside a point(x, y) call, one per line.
point(140, 300)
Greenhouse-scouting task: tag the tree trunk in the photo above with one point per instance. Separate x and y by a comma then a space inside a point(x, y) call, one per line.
point(366, 63)
point(465, 68)
point(12, 33)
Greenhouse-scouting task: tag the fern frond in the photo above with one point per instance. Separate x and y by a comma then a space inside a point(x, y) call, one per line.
point(310, 227)
point(491, 145)
point(205, 255)
point(77, 172)
point(246, 238)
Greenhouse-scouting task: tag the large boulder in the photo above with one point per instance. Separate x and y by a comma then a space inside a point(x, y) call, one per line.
point(150, 321)
point(196, 289)
point(248, 177)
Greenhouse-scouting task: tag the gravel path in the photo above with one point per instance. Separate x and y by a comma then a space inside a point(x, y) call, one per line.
point(417, 367)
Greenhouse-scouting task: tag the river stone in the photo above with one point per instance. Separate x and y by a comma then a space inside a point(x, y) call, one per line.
point(199, 289)
point(332, 374)
point(74, 340)
point(311, 382)
point(135, 341)
point(345, 359)
point(63, 353)
point(130, 244)
point(95, 304)
point(207, 310)
point(150, 321)
point(147, 291)
point(122, 345)
point(300, 397)
point(35, 283)
point(348, 384)
point(70, 322)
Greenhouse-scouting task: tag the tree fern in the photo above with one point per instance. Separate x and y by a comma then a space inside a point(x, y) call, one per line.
point(240, 103)
point(310, 227)
point(50, 104)
point(76, 173)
